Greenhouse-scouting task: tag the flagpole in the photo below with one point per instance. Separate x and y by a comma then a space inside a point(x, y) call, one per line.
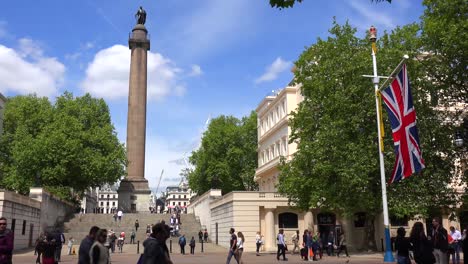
point(388, 257)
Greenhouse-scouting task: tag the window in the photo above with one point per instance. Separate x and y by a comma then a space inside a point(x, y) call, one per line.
point(179, 203)
point(173, 203)
point(285, 147)
point(185, 196)
point(398, 221)
point(360, 219)
point(108, 196)
point(23, 232)
point(179, 196)
point(185, 203)
point(102, 196)
point(113, 196)
point(13, 225)
point(287, 220)
point(102, 203)
point(173, 196)
point(113, 203)
point(107, 203)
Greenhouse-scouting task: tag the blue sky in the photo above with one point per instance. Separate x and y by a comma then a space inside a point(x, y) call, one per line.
point(207, 58)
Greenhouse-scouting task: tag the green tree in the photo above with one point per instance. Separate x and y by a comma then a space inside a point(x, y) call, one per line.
point(336, 166)
point(71, 144)
point(227, 158)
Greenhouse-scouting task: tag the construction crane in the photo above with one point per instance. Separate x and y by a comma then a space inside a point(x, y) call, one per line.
point(159, 182)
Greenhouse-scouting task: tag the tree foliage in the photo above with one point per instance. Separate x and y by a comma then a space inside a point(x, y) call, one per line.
point(336, 166)
point(69, 144)
point(227, 158)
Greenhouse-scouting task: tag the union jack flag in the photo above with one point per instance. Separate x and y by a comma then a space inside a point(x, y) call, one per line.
point(399, 105)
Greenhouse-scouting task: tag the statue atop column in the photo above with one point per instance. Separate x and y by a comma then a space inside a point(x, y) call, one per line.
point(141, 16)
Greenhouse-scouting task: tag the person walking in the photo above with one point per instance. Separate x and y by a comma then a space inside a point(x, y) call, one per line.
point(98, 253)
point(112, 240)
point(258, 242)
point(402, 246)
point(121, 242)
point(310, 247)
point(137, 225)
point(464, 244)
point(232, 245)
point(205, 236)
point(192, 246)
point(156, 250)
point(439, 241)
point(182, 243)
point(38, 247)
point(6, 242)
point(281, 245)
point(70, 243)
point(305, 237)
point(455, 245)
point(85, 246)
point(132, 237)
point(422, 247)
point(49, 247)
point(342, 245)
point(119, 215)
point(295, 240)
point(240, 247)
point(331, 244)
point(200, 236)
point(59, 241)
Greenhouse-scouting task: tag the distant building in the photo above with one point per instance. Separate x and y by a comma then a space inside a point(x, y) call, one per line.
point(108, 199)
point(89, 202)
point(177, 197)
point(2, 107)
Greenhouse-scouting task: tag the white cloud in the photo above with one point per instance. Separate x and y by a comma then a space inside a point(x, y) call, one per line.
point(27, 70)
point(107, 75)
point(372, 14)
point(272, 71)
point(196, 70)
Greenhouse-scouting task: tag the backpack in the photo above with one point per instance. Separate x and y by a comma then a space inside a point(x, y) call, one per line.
point(182, 241)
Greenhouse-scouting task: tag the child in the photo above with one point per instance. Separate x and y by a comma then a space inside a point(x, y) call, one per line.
point(70, 245)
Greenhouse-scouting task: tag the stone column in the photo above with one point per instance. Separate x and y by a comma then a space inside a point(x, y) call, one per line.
point(134, 190)
point(270, 236)
point(309, 221)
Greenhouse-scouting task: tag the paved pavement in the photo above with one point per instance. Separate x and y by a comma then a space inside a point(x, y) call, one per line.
point(211, 256)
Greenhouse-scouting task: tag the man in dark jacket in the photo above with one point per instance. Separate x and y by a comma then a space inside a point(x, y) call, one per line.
point(6, 242)
point(85, 246)
point(440, 241)
point(155, 246)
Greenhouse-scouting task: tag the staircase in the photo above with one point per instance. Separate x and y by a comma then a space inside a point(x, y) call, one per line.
point(78, 227)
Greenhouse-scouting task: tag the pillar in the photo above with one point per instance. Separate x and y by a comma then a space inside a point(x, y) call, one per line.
point(270, 236)
point(309, 221)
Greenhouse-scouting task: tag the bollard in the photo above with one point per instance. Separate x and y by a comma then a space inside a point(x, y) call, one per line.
point(381, 243)
point(138, 247)
point(202, 246)
point(170, 246)
point(216, 233)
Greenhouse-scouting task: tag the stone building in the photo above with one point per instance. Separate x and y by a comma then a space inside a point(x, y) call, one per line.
point(177, 196)
point(107, 199)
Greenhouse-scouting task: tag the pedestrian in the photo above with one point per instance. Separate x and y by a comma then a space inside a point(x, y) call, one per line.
point(70, 245)
point(422, 247)
point(98, 253)
point(182, 243)
point(192, 246)
point(232, 245)
point(295, 240)
point(49, 247)
point(205, 236)
point(258, 242)
point(115, 217)
point(240, 247)
point(38, 247)
point(137, 225)
point(465, 245)
point(455, 245)
point(281, 245)
point(331, 244)
point(112, 240)
point(148, 230)
point(155, 246)
point(310, 247)
point(121, 242)
point(59, 241)
point(200, 236)
point(402, 246)
point(85, 246)
point(6, 242)
point(305, 238)
point(439, 241)
point(132, 237)
point(119, 215)
point(343, 245)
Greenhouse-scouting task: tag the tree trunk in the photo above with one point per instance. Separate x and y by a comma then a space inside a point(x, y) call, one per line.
point(370, 233)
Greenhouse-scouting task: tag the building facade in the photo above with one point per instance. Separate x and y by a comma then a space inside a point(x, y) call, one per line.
point(177, 197)
point(107, 199)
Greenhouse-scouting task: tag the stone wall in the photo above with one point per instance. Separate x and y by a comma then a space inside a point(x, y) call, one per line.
point(23, 217)
point(200, 207)
point(54, 211)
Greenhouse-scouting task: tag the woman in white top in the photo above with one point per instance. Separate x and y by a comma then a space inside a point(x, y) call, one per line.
point(258, 242)
point(240, 247)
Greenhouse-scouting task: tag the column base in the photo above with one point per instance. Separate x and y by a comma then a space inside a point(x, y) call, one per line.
point(134, 196)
